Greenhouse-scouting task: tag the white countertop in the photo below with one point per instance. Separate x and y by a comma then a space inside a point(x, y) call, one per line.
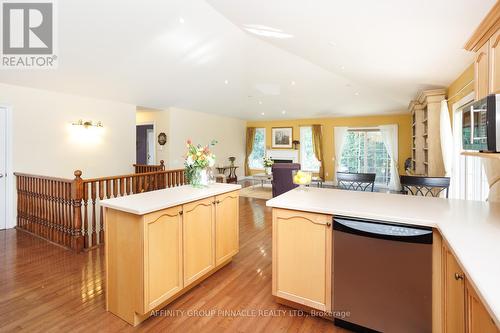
point(471, 228)
point(148, 202)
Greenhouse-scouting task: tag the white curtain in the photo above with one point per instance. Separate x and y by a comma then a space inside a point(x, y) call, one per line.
point(390, 137)
point(446, 135)
point(339, 134)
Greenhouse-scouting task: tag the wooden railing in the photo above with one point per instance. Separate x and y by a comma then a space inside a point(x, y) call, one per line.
point(67, 212)
point(141, 168)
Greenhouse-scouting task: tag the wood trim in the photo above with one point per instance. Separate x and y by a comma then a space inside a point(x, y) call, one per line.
point(486, 29)
point(437, 283)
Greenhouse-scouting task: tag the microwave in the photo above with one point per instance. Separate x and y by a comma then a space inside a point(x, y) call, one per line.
point(481, 125)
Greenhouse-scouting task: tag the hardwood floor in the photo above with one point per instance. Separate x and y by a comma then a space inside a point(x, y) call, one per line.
point(44, 288)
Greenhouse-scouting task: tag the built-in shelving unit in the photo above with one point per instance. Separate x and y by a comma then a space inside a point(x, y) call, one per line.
point(426, 142)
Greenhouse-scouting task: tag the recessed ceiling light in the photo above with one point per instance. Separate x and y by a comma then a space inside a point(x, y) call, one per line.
point(226, 82)
point(260, 102)
point(356, 93)
point(283, 112)
point(292, 83)
point(181, 20)
point(332, 44)
point(342, 67)
point(262, 113)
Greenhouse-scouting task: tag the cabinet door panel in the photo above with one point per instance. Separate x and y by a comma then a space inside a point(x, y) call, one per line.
point(478, 318)
point(302, 246)
point(226, 226)
point(494, 55)
point(198, 235)
point(162, 257)
point(481, 72)
point(454, 293)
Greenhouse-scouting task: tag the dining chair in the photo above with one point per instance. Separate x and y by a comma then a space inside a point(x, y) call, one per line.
point(425, 186)
point(282, 177)
point(356, 181)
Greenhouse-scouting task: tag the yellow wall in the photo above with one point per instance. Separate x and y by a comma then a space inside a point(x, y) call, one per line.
point(461, 87)
point(404, 133)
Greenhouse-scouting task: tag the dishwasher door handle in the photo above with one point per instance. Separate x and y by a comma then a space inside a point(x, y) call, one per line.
point(383, 230)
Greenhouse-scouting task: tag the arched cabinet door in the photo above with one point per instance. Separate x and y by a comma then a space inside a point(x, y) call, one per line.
point(226, 227)
point(481, 72)
point(198, 239)
point(495, 63)
point(302, 258)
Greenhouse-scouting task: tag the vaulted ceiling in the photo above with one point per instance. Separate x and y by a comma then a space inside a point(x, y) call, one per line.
point(259, 59)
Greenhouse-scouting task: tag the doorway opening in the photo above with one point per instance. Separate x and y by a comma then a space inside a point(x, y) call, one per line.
point(145, 144)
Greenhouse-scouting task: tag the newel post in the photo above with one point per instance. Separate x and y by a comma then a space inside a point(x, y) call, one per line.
point(76, 201)
point(162, 165)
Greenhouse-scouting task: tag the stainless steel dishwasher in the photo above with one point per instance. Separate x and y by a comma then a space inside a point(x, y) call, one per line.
point(382, 276)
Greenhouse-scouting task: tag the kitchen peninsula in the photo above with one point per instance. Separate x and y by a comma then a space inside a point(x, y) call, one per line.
point(463, 260)
point(160, 244)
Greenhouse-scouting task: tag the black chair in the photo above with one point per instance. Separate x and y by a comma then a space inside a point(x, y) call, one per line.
point(425, 186)
point(356, 181)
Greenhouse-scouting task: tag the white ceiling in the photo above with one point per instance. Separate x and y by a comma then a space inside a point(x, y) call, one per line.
point(345, 58)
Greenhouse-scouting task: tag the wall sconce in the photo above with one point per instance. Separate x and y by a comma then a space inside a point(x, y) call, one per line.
point(87, 124)
point(86, 132)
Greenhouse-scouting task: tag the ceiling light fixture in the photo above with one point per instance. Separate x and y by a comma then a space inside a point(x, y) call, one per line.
point(283, 112)
point(342, 67)
point(260, 102)
point(262, 113)
point(264, 31)
point(332, 44)
point(226, 81)
point(292, 83)
point(356, 93)
point(181, 20)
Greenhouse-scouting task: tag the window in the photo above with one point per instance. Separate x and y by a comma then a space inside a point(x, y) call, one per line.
point(364, 152)
point(308, 160)
point(256, 160)
point(469, 180)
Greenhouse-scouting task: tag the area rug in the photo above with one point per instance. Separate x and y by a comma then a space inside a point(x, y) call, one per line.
point(258, 191)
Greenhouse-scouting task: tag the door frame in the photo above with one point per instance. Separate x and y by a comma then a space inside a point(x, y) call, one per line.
point(10, 221)
point(154, 135)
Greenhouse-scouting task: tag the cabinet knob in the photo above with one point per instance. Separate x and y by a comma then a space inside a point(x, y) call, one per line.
point(459, 276)
point(218, 201)
point(328, 224)
point(181, 212)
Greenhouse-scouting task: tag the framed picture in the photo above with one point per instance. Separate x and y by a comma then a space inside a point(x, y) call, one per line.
point(282, 137)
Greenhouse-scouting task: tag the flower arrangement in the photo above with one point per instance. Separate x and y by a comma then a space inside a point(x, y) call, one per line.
point(197, 159)
point(268, 162)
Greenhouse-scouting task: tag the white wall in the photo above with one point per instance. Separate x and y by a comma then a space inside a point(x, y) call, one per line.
point(202, 128)
point(161, 121)
point(43, 139)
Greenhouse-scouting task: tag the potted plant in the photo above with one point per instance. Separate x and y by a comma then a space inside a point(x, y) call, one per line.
point(268, 163)
point(197, 161)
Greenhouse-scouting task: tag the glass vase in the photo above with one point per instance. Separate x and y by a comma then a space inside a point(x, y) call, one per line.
point(200, 178)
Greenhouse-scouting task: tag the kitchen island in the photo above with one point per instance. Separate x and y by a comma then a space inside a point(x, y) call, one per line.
point(465, 251)
point(162, 243)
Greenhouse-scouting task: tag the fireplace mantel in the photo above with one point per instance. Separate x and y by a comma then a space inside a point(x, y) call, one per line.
point(283, 154)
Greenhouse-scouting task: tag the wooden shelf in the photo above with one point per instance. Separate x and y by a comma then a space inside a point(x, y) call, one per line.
point(483, 155)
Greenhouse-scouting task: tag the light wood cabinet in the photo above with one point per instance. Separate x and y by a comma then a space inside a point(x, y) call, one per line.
point(162, 256)
point(226, 226)
point(302, 258)
point(198, 239)
point(454, 294)
point(478, 318)
point(494, 55)
point(481, 72)
point(151, 259)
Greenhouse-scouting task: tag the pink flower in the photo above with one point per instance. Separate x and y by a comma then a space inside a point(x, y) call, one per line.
point(189, 141)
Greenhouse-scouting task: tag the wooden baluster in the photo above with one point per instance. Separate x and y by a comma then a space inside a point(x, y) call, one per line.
point(139, 186)
point(155, 181)
point(85, 230)
point(76, 194)
point(70, 229)
point(115, 187)
point(93, 197)
point(108, 189)
point(128, 181)
point(101, 213)
point(51, 210)
point(122, 186)
point(134, 184)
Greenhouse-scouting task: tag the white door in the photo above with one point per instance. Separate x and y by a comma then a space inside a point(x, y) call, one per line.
point(3, 167)
point(150, 147)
